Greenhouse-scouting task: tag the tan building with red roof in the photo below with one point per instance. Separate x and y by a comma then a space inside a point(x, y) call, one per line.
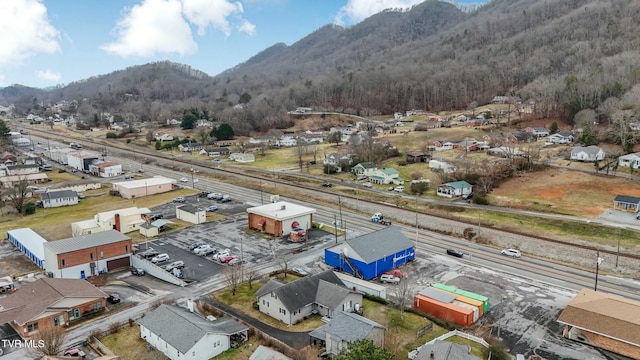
point(605, 321)
point(50, 302)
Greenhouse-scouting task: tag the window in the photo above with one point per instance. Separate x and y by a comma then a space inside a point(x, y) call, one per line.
point(56, 321)
point(91, 256)
point(126, 248)
point(283, 311)
point(101, 254)
point(63, 262)
point(32, 327)
point(97, 306)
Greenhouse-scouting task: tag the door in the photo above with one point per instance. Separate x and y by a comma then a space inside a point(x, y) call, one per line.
point(118, 263)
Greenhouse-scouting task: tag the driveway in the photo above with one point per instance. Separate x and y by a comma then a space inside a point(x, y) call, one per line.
point(297, 340)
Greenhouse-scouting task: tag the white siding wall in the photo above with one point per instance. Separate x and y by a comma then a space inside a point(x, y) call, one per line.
point(271, 306)
point(209, 346)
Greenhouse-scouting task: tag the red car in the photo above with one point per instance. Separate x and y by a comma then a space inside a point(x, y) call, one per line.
point(227, 259)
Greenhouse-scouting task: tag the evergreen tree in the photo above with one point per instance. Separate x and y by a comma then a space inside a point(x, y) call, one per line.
point(363, 349)
point(223, 132)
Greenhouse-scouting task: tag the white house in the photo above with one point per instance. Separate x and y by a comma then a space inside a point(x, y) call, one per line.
point(630, 160)
point(182, 334)
point(538, 132)
point(588, 154)
point(58, 198)
point(292, 302)
point(454, 189)
point(365, 168)
point(242, 157)
point(386, 176)
point(561, 138)
point(337, 160)
point(163, 137)
point(286, 140)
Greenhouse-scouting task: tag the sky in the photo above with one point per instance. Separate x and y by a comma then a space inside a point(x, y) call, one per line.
point(51, 42)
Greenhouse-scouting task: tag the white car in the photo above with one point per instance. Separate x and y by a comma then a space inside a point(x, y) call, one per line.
point(511, 252)
point(184, 180)
point(202, 249)
point(160, 258)
point(222, 254)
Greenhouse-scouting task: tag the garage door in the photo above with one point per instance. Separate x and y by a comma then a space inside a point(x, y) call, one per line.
point(118, 263)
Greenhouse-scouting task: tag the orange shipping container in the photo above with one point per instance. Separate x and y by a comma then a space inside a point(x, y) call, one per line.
point(450, 312)
point(467, 300)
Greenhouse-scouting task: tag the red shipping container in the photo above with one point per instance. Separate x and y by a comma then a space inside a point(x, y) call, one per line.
point(450, 312)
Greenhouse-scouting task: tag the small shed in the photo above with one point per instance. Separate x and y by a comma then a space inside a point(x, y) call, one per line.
point(626, 203)
point(280, 218)
point(30, 243)
point(191, 214)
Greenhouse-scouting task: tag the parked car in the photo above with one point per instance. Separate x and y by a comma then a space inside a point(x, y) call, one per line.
point(149, 253)
point(74, 352)
point(224, 199)
point(327, 184)
point(208, 252)
point(137, 271)
point(226, 259)
point(155, 217)
point(455, 252)
point(113, 298)
point(195, 245)
point(399, 188)
point(184, 180)
point(197, 248)
point(179, 199)
point(236, 261)
point(300, 271)
point(211, 208)
point(391, 188)
point(200, 250)
point(367, 184)
point(175, 265)
point(387, 278)
point(203, 194)
point(385, 222)
point(160, 258)
point(214, 196)
point(511, 252)
point(221, 254)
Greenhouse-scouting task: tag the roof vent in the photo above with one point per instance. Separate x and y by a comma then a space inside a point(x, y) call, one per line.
point(283, 207)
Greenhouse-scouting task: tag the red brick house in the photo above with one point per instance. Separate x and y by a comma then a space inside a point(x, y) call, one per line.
point(50, 302)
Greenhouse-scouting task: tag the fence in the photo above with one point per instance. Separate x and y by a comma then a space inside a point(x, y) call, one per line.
point(423, 330)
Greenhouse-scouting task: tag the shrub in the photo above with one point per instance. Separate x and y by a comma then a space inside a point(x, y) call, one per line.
point(112, 135)
point(114, 328)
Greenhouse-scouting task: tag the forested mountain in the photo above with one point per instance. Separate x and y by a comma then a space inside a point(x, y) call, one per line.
point(567, 55)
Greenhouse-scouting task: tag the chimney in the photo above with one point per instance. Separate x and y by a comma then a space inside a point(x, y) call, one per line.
point(283, 207)
point(190, 305)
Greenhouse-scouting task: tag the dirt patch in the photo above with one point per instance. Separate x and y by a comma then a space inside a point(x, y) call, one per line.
point(13, 262)
point(569, 192)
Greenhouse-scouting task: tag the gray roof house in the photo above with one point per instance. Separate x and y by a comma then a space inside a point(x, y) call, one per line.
point(322, 293)
point(588, 154)
point(444, 350)
point(344, 328)
point(59, 198)
point(181, 334)
point(454, 189)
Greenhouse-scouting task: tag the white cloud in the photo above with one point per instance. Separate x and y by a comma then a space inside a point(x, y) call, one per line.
point(214, 13)
point(49, 76)
point(154, 26)
point(163, 26)
point(358, 10)
point(25, 31)
point(247, 27)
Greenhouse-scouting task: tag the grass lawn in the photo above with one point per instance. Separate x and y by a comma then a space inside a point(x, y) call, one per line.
point(127, 344)
point(54, 223)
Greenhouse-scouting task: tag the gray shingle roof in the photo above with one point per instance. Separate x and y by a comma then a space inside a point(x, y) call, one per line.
point(85, 241)
point(183, 329)
point(50, 195)
point(591, 150)
point(445, 350)
point(302, 292)
point(331, 295)
point(378, 244)
point(346, 327)
point(627, 199)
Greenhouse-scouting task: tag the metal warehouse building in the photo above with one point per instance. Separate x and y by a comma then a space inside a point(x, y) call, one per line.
point(370, 255)
point(30, 243)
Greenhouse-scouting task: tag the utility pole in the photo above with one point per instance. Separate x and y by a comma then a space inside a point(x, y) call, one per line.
point(598, 261)
point(335, 227)
point(340, 208)
point(618, 252)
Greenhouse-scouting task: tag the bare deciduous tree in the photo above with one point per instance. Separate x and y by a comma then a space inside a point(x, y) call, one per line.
point(17, 195)
point(233, 276)
point(251, 275)
point(48, 341)
point(401, 296)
